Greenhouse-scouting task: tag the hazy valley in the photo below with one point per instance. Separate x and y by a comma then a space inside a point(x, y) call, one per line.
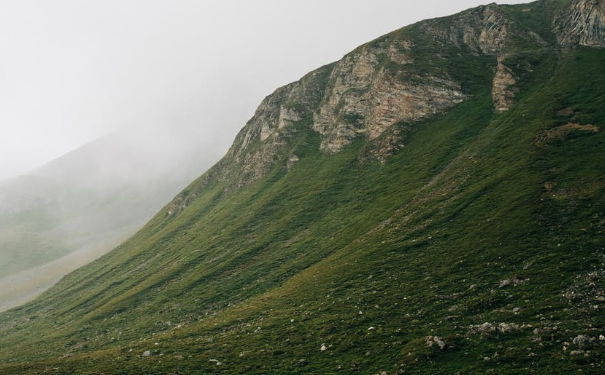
point(76, 208)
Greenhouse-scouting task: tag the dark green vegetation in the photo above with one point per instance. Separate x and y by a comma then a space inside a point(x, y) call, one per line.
point(485, 230)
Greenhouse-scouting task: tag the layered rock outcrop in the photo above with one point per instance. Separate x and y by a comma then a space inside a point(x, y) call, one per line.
point(371, 89)
point(582, 23)
point(364, 98)
point(503, 87)
point(395, 80)
point(485, 30)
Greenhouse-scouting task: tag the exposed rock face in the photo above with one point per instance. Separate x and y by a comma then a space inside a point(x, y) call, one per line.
point(274, 123)
point(503, 90)
point(483, 30)
point(271, 115)
point(398, 51)
point(357, 96)
point(434, 341)
point(368, 91)
point(363, 98)
point(583, 23)
point(378, 91)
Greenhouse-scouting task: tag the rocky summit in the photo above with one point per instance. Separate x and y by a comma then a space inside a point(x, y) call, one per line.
point(433, 203)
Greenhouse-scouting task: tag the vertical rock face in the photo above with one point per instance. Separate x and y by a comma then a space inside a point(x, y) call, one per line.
point(503, 91)
point(392, 81)
point(582, 23)
point(365, 97)
point(341, 115)
point(482, 30)
point(488, 31)
point(365, 94)
point(494, 31)
point(370, 89)
point(264, 139)
point(269, 116)
point(358, 96)
point(275, 116)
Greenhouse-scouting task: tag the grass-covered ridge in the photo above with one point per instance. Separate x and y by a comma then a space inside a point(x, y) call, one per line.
point(341, 264)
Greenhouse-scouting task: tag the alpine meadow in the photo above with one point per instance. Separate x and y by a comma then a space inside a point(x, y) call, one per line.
point(433, 203)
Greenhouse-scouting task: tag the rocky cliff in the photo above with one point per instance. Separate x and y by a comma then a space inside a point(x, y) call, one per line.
point(378, 90)
point(400, 78)
point(581, 23)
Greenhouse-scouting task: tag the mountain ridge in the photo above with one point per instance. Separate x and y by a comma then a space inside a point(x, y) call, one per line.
point(468, 239)
point(489, 38)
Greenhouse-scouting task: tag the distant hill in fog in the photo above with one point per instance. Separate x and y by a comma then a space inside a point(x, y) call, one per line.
point(82, 204)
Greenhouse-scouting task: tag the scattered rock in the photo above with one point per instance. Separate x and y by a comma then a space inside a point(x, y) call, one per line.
point(323, 347)
point(507, 327)
point(482, 328)
point(487, 328)
point(216, 362)
point(291, 161)
point(514, 282)
point(147, 353)
point(434, 340)
point(581, 341)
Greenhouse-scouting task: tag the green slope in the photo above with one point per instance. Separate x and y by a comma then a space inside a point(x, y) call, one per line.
point(80, 206)
point(341, 263)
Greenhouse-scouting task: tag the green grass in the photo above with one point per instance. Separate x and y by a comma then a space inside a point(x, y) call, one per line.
point(365, 258)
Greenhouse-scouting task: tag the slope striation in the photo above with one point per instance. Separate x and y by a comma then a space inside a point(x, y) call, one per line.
point(433, 203)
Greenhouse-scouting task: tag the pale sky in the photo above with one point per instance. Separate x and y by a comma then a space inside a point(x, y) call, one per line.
point(74, 70)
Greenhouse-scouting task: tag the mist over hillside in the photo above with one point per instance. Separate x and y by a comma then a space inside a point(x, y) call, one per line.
point(75, 208)
point(431, 203)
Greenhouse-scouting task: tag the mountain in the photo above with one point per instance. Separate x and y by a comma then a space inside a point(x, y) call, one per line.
point(433, 203)
point(76, 208)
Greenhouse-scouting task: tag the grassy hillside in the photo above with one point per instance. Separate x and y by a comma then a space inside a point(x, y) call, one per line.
point(83, 204)
point(478, 246)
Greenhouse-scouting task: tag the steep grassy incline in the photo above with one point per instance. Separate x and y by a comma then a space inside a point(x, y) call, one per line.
point(475, 243)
